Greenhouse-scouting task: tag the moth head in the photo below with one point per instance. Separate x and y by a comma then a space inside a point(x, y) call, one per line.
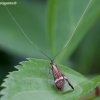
point(52, 63)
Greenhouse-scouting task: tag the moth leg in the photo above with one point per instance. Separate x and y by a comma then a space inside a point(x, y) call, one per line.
point(69, 83)
point(49, 70)
point(48, 75)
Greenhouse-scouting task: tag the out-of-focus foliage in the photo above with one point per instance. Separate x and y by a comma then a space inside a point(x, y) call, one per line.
point(87, 56)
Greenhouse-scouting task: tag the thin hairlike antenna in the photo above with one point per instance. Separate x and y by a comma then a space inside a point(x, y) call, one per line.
point(25, 33)
point(74, 29)
point(35, 45)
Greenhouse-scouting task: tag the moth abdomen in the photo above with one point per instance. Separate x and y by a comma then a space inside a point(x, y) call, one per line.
point(60, 84)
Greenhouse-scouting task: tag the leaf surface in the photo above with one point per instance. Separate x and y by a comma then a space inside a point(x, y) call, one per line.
point(32, 81)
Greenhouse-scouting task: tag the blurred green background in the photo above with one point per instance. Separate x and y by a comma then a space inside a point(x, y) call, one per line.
point(49, 25)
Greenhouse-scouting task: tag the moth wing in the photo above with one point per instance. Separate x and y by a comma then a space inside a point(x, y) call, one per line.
point(60, 83)
point(68, 82)
point(58, 78)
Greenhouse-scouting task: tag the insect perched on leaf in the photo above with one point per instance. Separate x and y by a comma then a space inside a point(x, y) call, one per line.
point(59, 77)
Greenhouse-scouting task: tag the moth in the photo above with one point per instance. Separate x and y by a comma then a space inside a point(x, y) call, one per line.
point(59, 77)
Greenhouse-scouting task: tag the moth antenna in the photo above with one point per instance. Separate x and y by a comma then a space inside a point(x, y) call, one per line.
point(74, 29)
point(25, 33)
point(34, 44)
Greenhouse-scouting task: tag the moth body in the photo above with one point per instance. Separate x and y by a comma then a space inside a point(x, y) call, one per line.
point(59, 77)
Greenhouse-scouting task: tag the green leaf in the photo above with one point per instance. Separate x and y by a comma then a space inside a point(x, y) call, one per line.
point(32, 81)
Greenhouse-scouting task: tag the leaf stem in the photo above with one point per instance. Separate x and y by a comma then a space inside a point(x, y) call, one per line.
point(97, 91)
